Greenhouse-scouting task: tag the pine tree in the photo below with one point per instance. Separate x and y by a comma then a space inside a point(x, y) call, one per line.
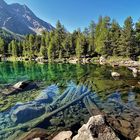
point(67, 45)
point(127, 39)
point(102, 39)
point(10, 49)
point(79, 45)
point(137, 39)
point(51, 49)
point(2, 47)
point(97, 35)
point(14, 48)
point(115, 33)
point(60, 34)
point(91, 47)
point(112, 39)
point(24, 53)
point(43, 51)
point(20, 48)
point(31, 46)
point(101, 32)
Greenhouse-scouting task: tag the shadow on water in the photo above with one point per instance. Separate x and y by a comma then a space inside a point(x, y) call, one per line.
point(73, 94)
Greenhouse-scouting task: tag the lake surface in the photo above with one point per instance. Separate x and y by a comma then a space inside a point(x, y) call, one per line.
point(64, 83)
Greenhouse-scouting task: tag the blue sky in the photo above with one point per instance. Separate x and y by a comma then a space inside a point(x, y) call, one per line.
point(79, 13)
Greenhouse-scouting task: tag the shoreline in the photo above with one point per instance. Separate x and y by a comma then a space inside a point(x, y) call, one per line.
point(124, 62)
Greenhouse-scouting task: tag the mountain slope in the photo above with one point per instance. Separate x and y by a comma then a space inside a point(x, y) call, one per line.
point(9, 36)
point(20, 19)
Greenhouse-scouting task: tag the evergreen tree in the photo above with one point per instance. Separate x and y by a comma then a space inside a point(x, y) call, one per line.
point(97, 35)
point(101, 32)
point(127, 39)
point(31, 46)
point(26, 48)
point(112, 39)
point(137, 38)
point(79, 45)
point(20, 48)
point(115, 33)
point(60, 34)
point(50, 51)
point(14, 48)
point(91, 47)
point(102, 38)
point(10, 49)
point(43, 51)
point(67, 45)
point(51, 47)
point(24, 52)
point(2, 48)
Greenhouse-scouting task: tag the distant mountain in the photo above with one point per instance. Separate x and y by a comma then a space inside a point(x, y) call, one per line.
point(20, 19)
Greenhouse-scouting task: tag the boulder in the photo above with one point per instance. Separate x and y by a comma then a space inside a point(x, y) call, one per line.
point(95, 129)
point(73, 60)
point(115, 74)
point(102, 60)
point(125, 123)
point(37, 139)
point(137, 138)
point(27, 112)
point(25, 85)
point(133, 69)
point(21, 113)
point(20, 86)
point(64, 135)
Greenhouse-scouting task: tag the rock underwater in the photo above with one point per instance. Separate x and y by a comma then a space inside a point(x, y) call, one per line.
point(22, 113)
point(49, 101)
point(20, 87)
point(96, 129)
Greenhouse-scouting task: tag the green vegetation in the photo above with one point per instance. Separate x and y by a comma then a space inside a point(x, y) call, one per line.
point(104, 38)
point(2, 46)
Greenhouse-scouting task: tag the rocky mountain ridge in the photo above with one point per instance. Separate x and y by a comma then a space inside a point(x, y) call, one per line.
point(20, 19)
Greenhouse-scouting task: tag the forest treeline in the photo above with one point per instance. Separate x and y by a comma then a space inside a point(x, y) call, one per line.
point(106, 38)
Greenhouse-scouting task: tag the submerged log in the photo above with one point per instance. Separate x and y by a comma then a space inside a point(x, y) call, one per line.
point(91, 106)
point(119, 124)
point(61, 97)
point(36, 122)
point(69, 95)
point(85, 101)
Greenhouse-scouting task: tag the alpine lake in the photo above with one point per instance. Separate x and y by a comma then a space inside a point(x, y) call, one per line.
point(65, 97)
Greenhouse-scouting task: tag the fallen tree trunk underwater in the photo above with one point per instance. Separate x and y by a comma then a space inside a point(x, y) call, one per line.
point(33, 123)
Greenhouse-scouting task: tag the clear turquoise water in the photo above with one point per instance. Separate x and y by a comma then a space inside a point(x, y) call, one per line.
point(95, 77)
